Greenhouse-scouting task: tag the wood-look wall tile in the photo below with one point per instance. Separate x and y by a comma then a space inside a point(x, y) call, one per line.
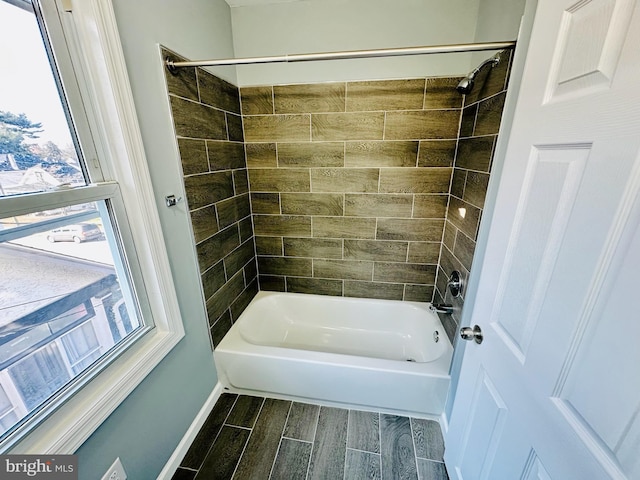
point(301, 424)
point(251, 269)
point(329, 204)
point(385, 95)
point(233, 210)
point(241, 181)
point(404, 273)
point(313, 247)
point(309, 98)
point(491, 80)
point(467, 223)
point(208, 188)
point(378, 205)
point(458, 182)
point(328, 457)
point(316, 154)
point(257, 100)
point(415, 180)
point(204, 223)
point(279, 180)
point(490, 115)
point(278, 128)
point(245, 411)
point(449, 236)
point(193, 156)
point(219, 302)
point(217, 247)
point(194, 120)
point(381, 154)
point(364, 180)
point(415, 229)
point(261, 155)
point(235, 130)
point(225, 155)
point(347, 126)
point(343, 269)
point(183, 83)
point(468, 122)
point(240, 304)
point(292, 460)
point(258, 458)
point(220, 328)
point(475, 190)
point(441, 93)
point(314, 286)
point(282, 225)
point(344, 227)
point(464, 250)
point(362, 465)
point(286, 266)
point(270, 283)
point(217, 92)
point(213, 279)
point(418, 293)
point(271, 246)
point(383, 291)
point(424, 252)
point(245, 227)
point(475, 153)
point(266, 203)
point(398, 460)
point(430, 206)
point(209, 430)
point(379, 250)
point(364, 431)
point(239, 257)
point(437, 153)
point(225, 453)
point(449, 263)
point(421, 124)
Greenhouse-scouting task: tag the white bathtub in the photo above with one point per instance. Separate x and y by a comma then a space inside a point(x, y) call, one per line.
point(382, 354)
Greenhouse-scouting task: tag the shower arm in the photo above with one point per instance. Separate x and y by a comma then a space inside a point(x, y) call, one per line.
point(172, 66)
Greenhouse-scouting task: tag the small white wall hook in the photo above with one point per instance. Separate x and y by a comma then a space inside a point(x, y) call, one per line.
point(171, 200)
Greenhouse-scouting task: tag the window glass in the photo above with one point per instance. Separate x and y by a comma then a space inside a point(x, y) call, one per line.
point(37, 151)
point(62, 301)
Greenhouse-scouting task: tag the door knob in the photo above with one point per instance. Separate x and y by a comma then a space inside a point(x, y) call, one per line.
point(475, 333)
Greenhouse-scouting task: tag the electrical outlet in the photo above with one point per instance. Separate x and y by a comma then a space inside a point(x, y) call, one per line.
point(115, 472)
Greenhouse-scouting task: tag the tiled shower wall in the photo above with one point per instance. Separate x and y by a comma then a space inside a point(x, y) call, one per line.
point(474, 156)
point(208, 125)
point(353, 188)
point(349, 184)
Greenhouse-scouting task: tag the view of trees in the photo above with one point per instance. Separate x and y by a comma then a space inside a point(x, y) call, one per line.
point(17, 153)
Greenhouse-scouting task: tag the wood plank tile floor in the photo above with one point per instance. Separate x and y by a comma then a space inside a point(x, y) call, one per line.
point(258, 438)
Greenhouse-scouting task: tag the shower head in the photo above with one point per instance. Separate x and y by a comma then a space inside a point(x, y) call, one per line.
point(466, 84)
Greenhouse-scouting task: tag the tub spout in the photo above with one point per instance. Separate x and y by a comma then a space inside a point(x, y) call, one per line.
point(442, 308)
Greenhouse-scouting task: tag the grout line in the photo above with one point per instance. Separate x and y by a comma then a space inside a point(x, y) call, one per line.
point(244, 449)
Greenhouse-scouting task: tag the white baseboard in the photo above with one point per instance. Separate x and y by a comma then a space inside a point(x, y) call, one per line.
point(181, 450)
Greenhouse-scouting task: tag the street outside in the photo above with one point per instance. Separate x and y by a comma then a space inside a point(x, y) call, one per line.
point(94, 250)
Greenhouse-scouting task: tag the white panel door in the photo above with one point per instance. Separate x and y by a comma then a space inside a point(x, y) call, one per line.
point(553, 392)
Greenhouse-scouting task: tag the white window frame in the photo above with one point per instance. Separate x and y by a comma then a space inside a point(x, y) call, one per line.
point(97, 59)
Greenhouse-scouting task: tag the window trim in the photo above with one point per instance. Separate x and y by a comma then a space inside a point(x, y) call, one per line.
point(92, 37)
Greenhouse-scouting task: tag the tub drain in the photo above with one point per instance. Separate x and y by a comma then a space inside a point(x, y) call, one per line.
point(410, 360)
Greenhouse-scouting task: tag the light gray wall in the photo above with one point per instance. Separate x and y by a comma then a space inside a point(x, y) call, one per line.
point(146, 428)
point(498, 20)
point(336, 25)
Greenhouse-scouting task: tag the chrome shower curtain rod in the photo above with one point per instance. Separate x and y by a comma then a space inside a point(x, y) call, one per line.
point(309, 57)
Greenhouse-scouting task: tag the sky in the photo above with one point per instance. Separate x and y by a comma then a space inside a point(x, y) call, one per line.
point(26, 81)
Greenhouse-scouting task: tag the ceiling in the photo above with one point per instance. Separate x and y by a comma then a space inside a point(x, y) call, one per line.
point(244, 3)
